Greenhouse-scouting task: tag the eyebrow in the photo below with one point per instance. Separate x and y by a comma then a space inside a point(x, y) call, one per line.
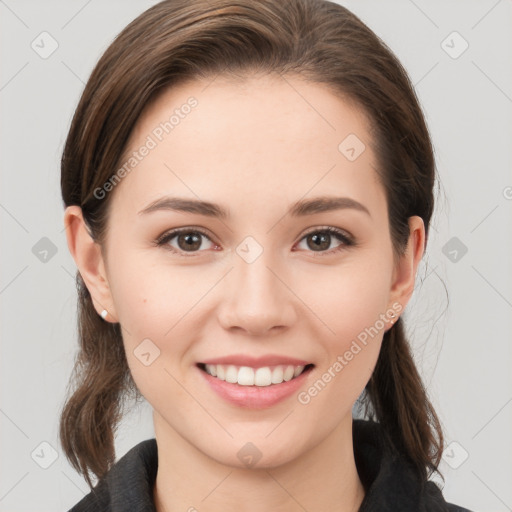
point(300, 208)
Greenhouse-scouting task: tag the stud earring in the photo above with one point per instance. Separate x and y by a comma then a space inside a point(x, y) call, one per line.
point(104, 314)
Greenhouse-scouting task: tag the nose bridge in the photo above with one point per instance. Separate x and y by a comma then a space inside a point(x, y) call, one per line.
point(258, 298)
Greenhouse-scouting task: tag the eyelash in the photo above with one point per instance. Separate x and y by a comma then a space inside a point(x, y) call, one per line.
point(348, 241)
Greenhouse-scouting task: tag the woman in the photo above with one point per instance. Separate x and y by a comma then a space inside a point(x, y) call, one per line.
point(248, 190)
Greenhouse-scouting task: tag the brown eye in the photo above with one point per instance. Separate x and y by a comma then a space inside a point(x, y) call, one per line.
point(321, 239)
point(187, 241)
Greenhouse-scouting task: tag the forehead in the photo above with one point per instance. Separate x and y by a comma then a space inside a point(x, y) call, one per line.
point(253, 106)
point(258, 137)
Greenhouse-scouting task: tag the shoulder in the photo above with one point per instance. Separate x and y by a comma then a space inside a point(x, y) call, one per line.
point(455, 508)
point(390, 481)
point(437, 497)
point(128, 485)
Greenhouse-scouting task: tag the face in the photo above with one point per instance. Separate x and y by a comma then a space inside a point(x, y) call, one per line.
point(267, 285)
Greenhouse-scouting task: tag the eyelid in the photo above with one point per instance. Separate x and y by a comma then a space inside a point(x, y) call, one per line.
point(332, 230)
point(174, 232)
point(347, 240)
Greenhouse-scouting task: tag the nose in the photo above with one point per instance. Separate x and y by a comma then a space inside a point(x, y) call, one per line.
point(256, 298)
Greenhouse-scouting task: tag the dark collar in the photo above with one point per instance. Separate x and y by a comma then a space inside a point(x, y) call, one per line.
point(389, 481)
point(391, 484)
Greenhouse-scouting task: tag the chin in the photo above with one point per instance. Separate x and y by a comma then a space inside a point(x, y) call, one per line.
point(257, 454)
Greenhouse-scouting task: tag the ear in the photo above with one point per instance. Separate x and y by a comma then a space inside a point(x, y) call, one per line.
point(404, 274)
point(89, 260)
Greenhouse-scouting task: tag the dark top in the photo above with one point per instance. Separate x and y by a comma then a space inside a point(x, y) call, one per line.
point(389, 483)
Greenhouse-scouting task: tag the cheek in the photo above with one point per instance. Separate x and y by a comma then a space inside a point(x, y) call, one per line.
point(348, 299)
point(349, 305)
point(155, 314)
point(158, 308)
point(150, 300)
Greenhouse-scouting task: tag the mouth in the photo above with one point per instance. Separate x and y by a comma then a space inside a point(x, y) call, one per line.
point(252, 382)
point(264, 376)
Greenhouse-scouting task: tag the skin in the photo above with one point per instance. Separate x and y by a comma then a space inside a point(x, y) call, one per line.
point(255, 147)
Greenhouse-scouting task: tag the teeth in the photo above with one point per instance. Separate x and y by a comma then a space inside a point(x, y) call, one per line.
point(262, 377)
point(232, 374)
point(298, 371)
point(288, 373)
point(211, 369)
point(277, 375)
point(218, 369)
point(247, 376)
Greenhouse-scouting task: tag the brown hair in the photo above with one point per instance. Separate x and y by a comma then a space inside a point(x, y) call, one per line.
point(176, 40)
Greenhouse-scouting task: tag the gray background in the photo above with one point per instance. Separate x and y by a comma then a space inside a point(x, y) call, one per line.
point(459, 318)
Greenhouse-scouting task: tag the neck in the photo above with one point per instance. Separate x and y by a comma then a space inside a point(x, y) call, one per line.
point(321, 479)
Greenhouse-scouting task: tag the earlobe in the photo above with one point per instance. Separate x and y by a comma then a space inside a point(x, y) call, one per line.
point(404, 275)
point(89, 260)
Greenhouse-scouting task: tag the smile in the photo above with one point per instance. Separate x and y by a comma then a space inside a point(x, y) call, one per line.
point(251, 382)
point(248, 376)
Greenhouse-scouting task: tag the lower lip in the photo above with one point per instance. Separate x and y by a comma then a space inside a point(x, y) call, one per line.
point(255, 397)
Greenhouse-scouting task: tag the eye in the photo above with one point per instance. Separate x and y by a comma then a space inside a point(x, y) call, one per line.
point(188, 240)
point(322, 238)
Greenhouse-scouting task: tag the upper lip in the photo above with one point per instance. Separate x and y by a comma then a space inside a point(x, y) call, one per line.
point(256, 362)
